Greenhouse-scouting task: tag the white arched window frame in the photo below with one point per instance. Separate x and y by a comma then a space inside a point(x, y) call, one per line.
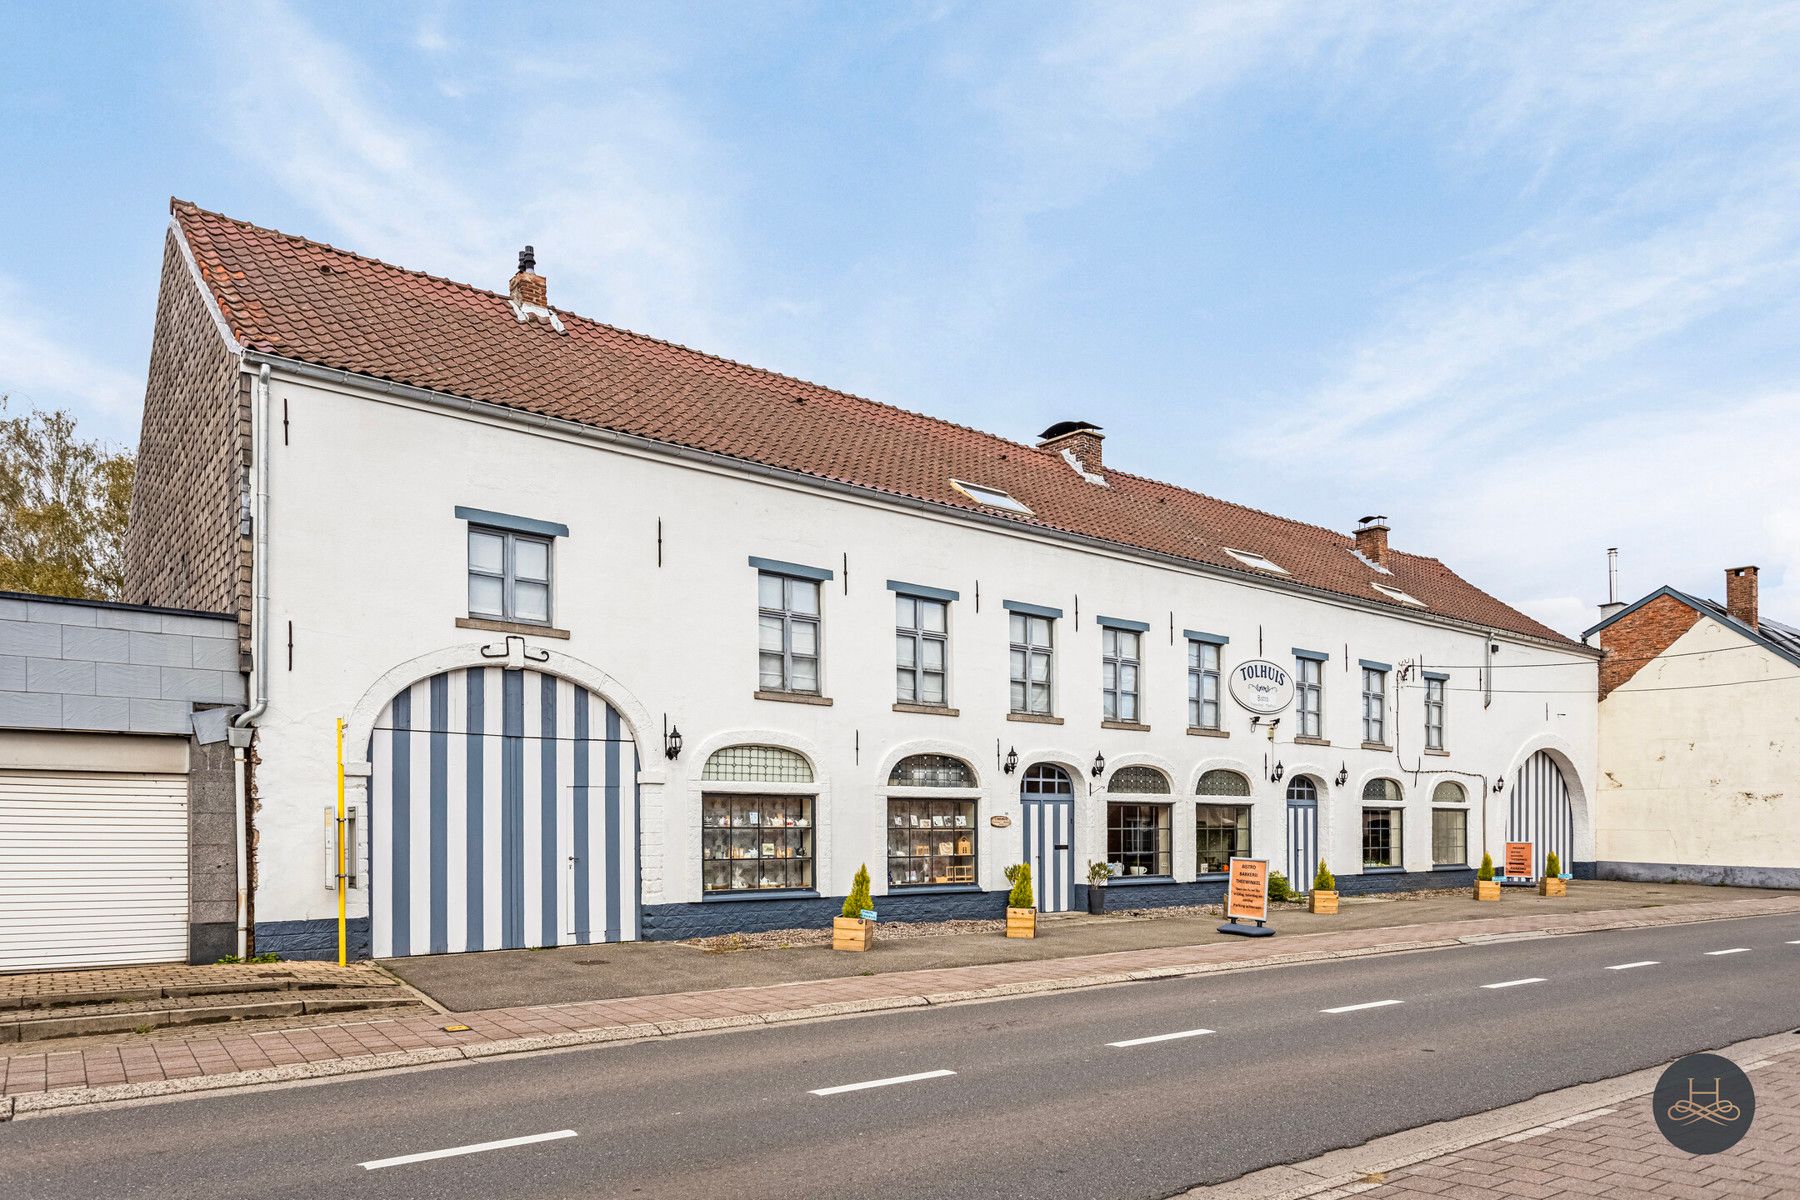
point(932, 829)
point(758, 820)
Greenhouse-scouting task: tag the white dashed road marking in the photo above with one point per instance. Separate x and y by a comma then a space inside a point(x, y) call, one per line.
point(1359, 1007)
point(875, 1083)
point(1651, 962)
point(477, 1148)
point(1161, 1037)
point(1514, 982)
point(1733, 950)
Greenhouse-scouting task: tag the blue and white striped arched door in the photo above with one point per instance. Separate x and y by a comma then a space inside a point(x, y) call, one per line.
point(1541, 813)
point(503, 809)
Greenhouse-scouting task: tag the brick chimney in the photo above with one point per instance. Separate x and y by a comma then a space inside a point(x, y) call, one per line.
point(528, 287)
point(1078, 438)
point(1740, 594)
point(1371, 539)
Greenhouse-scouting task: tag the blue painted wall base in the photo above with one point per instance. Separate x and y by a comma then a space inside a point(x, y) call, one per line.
point(314, 941)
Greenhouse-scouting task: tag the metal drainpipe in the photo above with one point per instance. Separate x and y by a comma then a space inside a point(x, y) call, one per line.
point(259, 642)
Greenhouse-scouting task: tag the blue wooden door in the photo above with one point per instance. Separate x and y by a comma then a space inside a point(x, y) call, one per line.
point(1302, 833)
point(1048, 799)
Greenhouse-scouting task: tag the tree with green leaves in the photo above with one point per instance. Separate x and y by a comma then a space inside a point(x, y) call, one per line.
point(1485, 872)
point(859, 897)
point(1019, 875)
point(1553, 866)
point(1324, 881)
point(64, 501)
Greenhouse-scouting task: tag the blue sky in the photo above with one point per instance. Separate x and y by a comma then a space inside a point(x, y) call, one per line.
point(1525, 278)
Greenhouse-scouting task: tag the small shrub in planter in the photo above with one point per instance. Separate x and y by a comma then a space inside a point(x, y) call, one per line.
point(1279, 887)
point(1486, 886)
point(852, 931)
point(1552, 883)
point(1098, 874)
point(1021, 908)
point(1324, 899)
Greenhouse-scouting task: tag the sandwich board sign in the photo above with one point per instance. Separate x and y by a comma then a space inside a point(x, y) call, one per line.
point(1518, 860)
point(1247, 898)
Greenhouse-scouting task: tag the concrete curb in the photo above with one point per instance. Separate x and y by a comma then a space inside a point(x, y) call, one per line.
point(1346, 1172)
point(66, 1099)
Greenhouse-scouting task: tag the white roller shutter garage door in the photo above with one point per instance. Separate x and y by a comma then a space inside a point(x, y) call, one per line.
point(93, 869)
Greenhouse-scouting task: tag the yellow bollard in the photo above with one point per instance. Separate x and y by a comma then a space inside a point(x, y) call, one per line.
point(342, 865)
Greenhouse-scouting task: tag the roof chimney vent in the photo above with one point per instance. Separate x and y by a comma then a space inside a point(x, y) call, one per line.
point(1740, 595)
point(1613, 603)
point(1372, 540)
point(1079, 444)
point(528, 289)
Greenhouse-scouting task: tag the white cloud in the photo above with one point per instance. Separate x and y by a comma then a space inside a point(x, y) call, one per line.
point(44, 367)
point(609, 182)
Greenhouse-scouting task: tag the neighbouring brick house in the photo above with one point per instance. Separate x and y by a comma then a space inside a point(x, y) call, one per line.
point(119, 800)
point(633, 641)
point(1699, 740)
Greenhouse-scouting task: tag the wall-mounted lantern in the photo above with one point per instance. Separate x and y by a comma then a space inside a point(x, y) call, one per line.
point(1277, 773)
point(671, 740)
point(1099, 766)
point(1343, 775)
point(1012, 761)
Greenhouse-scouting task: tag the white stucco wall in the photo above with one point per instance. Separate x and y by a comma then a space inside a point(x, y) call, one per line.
point(367, 561)
point(1700, 757)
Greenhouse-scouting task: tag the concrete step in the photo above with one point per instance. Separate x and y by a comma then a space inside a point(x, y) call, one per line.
point(140, 1013)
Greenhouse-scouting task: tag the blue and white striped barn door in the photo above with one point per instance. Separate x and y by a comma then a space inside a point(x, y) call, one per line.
point(1541, 813)
point(1047, 801)
point(504, 814)
point(1303, 845)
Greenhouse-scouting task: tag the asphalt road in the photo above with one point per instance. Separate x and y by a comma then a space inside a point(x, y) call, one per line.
point(1040, 1103)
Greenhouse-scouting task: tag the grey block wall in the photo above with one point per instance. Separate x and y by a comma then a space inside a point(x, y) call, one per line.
point(212, 852)
point(90, 666)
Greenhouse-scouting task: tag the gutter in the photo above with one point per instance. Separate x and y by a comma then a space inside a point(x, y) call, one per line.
point(740, 466)
point(243, 725)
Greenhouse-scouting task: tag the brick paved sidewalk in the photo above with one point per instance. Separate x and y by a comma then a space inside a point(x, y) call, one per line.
point(1616, 1153)
point(423, 1038)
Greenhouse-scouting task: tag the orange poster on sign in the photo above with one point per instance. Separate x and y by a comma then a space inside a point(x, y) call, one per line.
point(1518, 860)
point(1247, 890)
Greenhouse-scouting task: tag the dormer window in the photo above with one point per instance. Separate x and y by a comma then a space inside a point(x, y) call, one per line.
point(1394, 593)
point(992, 497)
point(1252, 559)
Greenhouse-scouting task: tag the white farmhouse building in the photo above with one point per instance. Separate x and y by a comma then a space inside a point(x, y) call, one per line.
point(632, 641)
point(1699, 740)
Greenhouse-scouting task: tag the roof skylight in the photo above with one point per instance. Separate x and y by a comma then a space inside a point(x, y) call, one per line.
point(1252, 559)
point(992, 497)
point(1397, 594)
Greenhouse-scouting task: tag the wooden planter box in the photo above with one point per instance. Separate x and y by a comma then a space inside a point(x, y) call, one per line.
point(1323, 903)
point(1487, 889)
point(851, 933)
point(1552, 887)
point(1021, 922)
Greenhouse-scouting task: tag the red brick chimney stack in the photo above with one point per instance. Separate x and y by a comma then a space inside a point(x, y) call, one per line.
point(528, 287)
point(1372, 540)
point(1740, 594)
point(1078, 438)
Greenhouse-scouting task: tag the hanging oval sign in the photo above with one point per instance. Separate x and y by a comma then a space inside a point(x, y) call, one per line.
point(1262, 687)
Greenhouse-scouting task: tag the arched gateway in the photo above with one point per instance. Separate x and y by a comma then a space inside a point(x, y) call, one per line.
point(503, 806)
point(1541, 813)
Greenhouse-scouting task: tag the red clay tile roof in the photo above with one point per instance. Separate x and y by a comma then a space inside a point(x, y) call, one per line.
point(304, 300)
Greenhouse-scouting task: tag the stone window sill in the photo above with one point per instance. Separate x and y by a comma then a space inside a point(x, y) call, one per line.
point(771, 894)
point(1384, 870)
point(1212, 877)
point(1376, 746)
point(1312, 741)
point(1129, 726)
point(792, 697)
point(929, 710)
point(523, 628)
point(1034, 719)
point(1197, 731)
point(1137, 880)
point(1438, 753)
point(1453, 867)
point(933, 889)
